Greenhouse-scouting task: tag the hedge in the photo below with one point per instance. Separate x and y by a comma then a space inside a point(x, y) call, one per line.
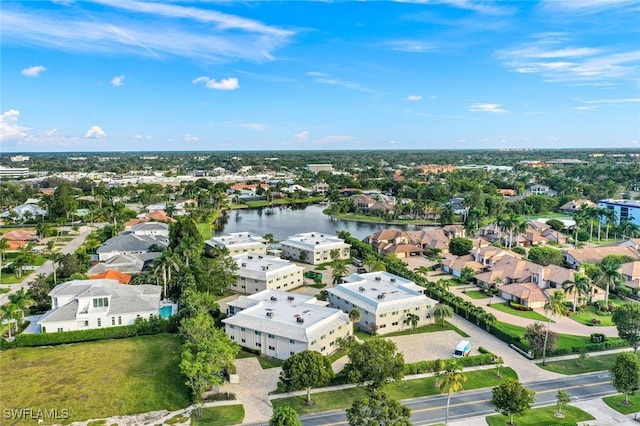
point(422, 367)
point(154, 325)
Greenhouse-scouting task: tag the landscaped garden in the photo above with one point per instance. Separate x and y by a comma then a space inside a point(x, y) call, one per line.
point(223, 415)
point(430, 328)
point(544, 416)
point(96, 379)
point(403, 389)
point(591, 315)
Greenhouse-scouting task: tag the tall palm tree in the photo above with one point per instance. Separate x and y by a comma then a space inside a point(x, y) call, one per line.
point(163, 266)
point(355, 315)
point(22, 302)
point(442, 311)
point(4, 246)
point(610, 219)
point(489, 319)
point(609, 276)
point(340, 270)
point(555, 306)
point(375, 264)
point(412, 320)
point(9, 314)
point(580, 286)
point(451, 380)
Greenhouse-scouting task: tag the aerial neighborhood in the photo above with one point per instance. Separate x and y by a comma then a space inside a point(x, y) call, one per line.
point(339, 272)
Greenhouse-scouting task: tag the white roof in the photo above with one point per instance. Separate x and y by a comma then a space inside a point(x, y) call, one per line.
point(260, 266)
point(294, 316)
point(310, 240)
point(237, 239)
point(381, 292)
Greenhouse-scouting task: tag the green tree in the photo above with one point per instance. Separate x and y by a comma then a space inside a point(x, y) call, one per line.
point(543, 255)
point(451, 380)
point(555, 306)
point(374, 362)
point(162, 268)
point(626, 317)
point(442, 311)
point(339, 271)
point(412, 320)
point(467, 274)
point(284, 416)
point(9, 314)
point(511, 398)
point(460, 246)
point(4, 246)
point(625, 374)
point(22, 300)
point(562, 399)
point(185, 227)
point(609, 276)
point(375, 264)
point(305, 370)
point(378, 409)
point(535, 334)
point(355, 315)
point(579, 287)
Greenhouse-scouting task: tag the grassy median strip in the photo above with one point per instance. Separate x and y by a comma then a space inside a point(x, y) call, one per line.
point(577, 366)
point(617, 403)
point(405, 389)
point(96, 379)
point(223, 415)
point(544, 416)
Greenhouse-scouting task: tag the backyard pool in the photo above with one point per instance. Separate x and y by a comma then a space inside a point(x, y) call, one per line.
point(166, 311)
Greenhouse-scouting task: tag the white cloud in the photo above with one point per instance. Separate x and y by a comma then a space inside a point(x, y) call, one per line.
point(150, 29)
point(140, 137)
point(585, 6)
point(33, 71)
point(230, 83)
point(117, 81)
point(9, 128)
point(494, 108)
point(50, 133)
point(253, 126)
point(586, 108)
point(95, 132)
point(325, 79)
point(410, 46)
point(614, 101)
point(392, 142)
point(414, 98)
point(191, 138)
point(303, 136)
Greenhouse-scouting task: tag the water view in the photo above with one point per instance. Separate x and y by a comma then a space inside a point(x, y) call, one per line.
point(282, 222)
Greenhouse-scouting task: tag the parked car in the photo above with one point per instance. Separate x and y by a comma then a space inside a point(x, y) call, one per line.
point(462, 349)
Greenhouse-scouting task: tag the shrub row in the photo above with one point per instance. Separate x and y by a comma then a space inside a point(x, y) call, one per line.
point(429, 366)
point(593, 347)
point(154, 325)
point(598, 338)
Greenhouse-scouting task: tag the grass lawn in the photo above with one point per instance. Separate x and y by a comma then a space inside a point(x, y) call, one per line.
point(475, 294)
point(96, 379)
point(431, 328)
point(617, 403)
point(266, 362)
point(205, 230)
point(4, 290)
point(224, 415)
point(10, 278)
point(225, 294)
point(565, 341)
point(404, 389)
point(532, 315)
point(591, 363)
point(543, 416)
point(590, 313)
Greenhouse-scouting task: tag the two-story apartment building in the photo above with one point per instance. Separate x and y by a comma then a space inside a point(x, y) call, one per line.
point(87, 304)
point(259, 272)
point(314, 247)
point(281, 324)
point(384, 301)
point(237, 243)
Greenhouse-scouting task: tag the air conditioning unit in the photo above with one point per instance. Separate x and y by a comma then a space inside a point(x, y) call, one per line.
point(361, 288)
point(378, 278)
point(274, 299)
point(290, 298)
point(381, 296)
point(269, 314)
point(244, 264)
point(393, 280)
point(300, 320)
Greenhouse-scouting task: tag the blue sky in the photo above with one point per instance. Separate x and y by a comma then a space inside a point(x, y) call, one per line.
point(124, 75)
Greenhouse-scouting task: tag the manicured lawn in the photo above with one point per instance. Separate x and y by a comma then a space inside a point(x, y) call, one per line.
point(590, 313)
point(225, 294)
point(532, 315)
point(341, 399)
point(266, 362)
point(475, 294)
point(544, 416)
point(4, 290)
point(224, 415)
point(431, 328)
point(10, 278)
point(591, 363)
point(617, 403)
point(96, 379)
point(205, 230)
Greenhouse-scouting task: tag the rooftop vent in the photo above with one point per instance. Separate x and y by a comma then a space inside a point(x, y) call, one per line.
point(249, 257)
point(300, 320)
point(378, 278)
point(361, 288)
point(381, 296)
point(269, 314)
point(393, 280)
point(244, 264)
point(290, 298)
point(274, 299)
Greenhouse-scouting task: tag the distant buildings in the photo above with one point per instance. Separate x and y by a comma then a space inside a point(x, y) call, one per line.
point(315, 168)
point(13, 172)
point(314, 248)
point(625, 210)
point(281, 324)
point(384, 301)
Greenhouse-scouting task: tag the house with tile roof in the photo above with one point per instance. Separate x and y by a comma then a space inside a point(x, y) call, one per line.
point(573, 258)
point(89, 304)
point(384, 301)
point(631, 272)
point(454, 265)
point(112, 274)
point(19, 237)
point(281, 324)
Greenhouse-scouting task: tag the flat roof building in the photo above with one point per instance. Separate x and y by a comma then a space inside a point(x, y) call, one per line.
point(625, 210)
point(314, 247)
point(259, 272)
point(385, 301)
point(237, 243)
point(281, 324)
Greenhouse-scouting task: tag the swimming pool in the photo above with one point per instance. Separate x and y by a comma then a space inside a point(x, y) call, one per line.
point(166, 311)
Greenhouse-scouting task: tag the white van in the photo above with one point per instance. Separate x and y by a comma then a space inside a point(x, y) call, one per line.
point(463, 349)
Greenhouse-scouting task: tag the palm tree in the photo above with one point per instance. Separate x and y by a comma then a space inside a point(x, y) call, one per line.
point(163, 266)
point(412, 320)
point(451, 380)
point(9, 314)
point(489, 319)
point(609, 276)
point(375, 264)
point(579, 287)
point(4, 246)
point(610, 219)
point(556, 305)
point(340, 270)
point(442, 311)
point(22, 302)
point(355, 315)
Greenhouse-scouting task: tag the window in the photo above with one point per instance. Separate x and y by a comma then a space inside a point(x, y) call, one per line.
point(293, 341)
point(383, 326)
point(323, 337)
point(232, 326)
point(119, 320)
point(394, 313)
point(113, 320)
point(258, 344)
point(292, 353)
point(271, 336)
point(383, 315)
point(257, 333)
point(418, 308)
point(332, 331)
point(242, 329)
point(272, 348)
point(243, 340)
point(322, 349)
point(101, 302)
point(60, 329)
point(99, 322)
point(393, 324)
point(406, 311)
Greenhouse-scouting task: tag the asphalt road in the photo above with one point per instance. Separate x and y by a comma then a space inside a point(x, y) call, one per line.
point(429, 410)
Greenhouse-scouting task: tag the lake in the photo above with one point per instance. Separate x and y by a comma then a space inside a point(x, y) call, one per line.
point(283, 222)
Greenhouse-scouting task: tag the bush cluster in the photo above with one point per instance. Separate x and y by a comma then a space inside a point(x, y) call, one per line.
point(598, 338)
point(429, 366)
